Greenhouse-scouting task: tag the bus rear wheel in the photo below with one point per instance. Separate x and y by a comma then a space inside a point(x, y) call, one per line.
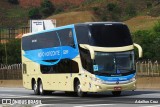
point(35, 88)
point(78, 90)
point(116, 93)
point(42, 91)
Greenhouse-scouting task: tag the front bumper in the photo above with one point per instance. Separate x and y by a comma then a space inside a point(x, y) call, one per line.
point(98, 87)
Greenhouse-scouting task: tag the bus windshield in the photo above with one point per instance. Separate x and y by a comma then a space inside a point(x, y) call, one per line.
point(119, 63)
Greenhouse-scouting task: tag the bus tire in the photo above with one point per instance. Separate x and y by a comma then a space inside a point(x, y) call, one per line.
point(35, 88)
point(116, 93)
point(42, 91)
point(78, 90)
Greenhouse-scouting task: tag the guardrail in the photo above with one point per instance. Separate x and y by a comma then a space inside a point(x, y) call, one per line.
point(148, 68)
point(11, 72)
point(14, 71)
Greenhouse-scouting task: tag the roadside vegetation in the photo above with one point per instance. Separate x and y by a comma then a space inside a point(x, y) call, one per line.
point(10, 52)
point(150, 42)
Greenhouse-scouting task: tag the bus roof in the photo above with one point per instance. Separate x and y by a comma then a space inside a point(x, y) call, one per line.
point(89, 23)
point(72, 25)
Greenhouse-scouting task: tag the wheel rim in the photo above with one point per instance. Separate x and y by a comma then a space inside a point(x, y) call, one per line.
point(35, 87)
point(79, 91)
point(41, 88)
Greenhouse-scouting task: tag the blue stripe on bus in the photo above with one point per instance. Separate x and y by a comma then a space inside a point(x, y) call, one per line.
point(119, 78)
point(55, 53)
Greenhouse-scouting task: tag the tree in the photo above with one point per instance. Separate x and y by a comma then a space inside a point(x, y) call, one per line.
point(131, 10)
point(111, 12)
point(14, 51)
point(47, 8)
point(156, 28)
point(111, 6)
point(34, 13)
point(1, 53)
point(150, 42)
point(13, 1)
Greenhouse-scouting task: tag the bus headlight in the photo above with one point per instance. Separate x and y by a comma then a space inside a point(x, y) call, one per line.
point(132, 79)
point(97, 80)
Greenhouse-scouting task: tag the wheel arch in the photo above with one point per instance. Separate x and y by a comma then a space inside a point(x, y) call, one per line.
point(38, 80)
point(32, 82)
point(74, 82)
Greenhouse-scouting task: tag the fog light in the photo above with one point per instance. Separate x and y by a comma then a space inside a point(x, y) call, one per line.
point(134, 85)
point(98, 87)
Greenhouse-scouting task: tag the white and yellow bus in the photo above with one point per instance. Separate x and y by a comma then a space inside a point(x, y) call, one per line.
point(80, 58)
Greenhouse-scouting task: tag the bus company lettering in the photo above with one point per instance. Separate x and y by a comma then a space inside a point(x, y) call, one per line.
point(52, 53)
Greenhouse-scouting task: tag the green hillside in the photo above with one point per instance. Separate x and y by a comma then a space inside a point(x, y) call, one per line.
point(12, 15)
point(138, 14)
point(73, 17)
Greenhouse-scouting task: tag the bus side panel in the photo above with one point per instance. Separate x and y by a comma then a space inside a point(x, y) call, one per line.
point(61, 82)
point(46, 81)
point(26, 75)
point(26, 82)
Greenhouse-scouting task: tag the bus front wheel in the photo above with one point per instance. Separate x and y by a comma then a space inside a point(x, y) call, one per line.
point(78, 90)
point(116, 93)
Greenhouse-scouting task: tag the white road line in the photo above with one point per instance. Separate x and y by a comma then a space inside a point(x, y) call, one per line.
point(41, 105)
point(100, 100)
point(11, 90)
point(24, 96)
point(151, 106)
point(94, 105)
point(7, 95)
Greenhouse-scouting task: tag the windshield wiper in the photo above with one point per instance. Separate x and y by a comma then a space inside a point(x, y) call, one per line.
point(123, 69)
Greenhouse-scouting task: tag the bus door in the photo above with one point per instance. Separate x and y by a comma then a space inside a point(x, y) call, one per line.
point(25, 76)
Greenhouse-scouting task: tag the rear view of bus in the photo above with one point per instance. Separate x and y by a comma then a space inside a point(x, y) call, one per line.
point(107, 52)
point(80, 58)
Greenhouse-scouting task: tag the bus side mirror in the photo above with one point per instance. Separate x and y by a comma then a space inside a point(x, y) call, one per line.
point(140, 51)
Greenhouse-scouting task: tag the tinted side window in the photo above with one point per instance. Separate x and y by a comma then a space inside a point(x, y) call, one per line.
point(86, 60)
point(39, 41)
point(66, 37)
point(64, 66)
point(82, 34)
point(48, 39)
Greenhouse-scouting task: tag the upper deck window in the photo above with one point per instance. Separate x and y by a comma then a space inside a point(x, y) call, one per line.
point(50, 39)
point(115, 35)
point(104, 35)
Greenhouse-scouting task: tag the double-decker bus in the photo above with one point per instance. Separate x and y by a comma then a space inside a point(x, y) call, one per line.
point(80, 58)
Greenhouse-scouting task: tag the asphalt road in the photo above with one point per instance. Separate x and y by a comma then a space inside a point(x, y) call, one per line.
point(23, 97)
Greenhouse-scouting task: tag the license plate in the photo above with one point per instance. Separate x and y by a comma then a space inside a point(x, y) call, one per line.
point(117, 88)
